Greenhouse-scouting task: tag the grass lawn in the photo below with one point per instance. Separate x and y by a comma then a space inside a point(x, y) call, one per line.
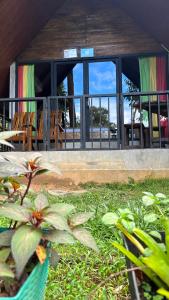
point(84, 274)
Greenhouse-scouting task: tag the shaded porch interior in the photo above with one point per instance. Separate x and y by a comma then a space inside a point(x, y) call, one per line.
point(80, 117)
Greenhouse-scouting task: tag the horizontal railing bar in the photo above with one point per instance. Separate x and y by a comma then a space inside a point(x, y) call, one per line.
point(27, 99)
point(64, 97)
point(85, 96)
point(146, 93)
point(22, 99)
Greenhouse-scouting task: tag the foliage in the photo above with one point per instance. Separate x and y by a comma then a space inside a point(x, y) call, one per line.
point(6, 135)
point(80, 271)
point(99, 116)
point(34, 224)
point(31, 231)
point(154, 256)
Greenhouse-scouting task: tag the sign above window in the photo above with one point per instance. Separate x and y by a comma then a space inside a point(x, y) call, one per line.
point(70, 53)
point(87, 52)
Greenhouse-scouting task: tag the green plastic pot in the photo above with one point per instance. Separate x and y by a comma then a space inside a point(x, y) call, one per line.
point(34, 287)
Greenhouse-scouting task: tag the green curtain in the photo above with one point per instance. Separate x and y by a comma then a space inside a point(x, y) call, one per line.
point(144, 66)
point(26, 87)
point(31, 106)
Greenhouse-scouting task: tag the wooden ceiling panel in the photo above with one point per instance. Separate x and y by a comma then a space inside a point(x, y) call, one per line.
point(151, 15)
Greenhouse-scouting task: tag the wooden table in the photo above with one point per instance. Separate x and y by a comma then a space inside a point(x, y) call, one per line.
point(138, 128)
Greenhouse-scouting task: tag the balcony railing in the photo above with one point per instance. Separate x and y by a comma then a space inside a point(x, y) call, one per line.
point(116, 121)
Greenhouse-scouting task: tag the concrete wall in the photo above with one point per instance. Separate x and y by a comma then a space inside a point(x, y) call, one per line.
point(103, 166)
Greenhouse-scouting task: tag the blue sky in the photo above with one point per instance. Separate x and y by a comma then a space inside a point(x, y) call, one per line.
point(102, 80)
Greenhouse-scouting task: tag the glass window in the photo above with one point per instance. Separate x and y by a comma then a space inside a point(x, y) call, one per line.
point(70, 79)
point(102, 77)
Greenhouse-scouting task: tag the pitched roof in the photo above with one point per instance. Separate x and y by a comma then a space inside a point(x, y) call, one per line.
point(20, 21)
point(151, 15)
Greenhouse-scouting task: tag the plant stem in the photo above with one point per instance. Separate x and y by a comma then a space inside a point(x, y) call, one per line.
point(160, 211)
point(24, 195)
point(110, 277)
point(27, 188)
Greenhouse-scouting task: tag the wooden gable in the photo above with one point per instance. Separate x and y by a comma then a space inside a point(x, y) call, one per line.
point(98, 24)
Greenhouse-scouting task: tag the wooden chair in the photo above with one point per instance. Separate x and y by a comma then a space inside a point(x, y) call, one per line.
point(22, 121)
point(56, 130)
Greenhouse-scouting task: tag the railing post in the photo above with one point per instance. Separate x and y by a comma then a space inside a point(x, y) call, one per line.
point(83, 122)
point(120, 123)
point(46, 103)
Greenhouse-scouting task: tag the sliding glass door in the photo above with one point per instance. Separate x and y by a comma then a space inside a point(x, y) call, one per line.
point(86, 92)
point(102, 112)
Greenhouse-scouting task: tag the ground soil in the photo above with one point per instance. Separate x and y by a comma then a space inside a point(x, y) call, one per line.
point(50, 182)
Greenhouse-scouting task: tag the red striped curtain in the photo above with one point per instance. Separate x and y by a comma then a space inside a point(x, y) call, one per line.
point(161, 76)
point(26, 87)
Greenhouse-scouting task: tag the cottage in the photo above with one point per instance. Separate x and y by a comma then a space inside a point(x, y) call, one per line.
point(88, 75)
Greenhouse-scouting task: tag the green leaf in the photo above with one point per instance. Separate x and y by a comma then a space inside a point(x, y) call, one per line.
point(138, 263)
point(85, 237)
point(128, 225)
point(158, 297)
point(7, 134)
point(125, 212)
point(3, 142)
point(57, 221)
point(158, 253)
point(80, 218)
point(148, 194)
point(160, 195)
point(110, 219)
point(158, 265)
point(148, 200)
point(59, 237)
point(50, 167)
point(37, 158)
point(6, 237)
point(130, 217)
point(166, 227)
point(4, 254)
point(150, 218)
point(40, 171)
point(164, 202)
point(41, 202)
point(15, 212)
point(5, 271)
point(147, 252)
point(24, 243)
point(27, 203)
point(155, 234)
point(9, 169)
point(130, 237)
point(146, 287)
point(163, 292)
point(62, 209)
point(162, 246)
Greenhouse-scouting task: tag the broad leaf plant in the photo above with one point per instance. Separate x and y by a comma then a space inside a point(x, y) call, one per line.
point(34, 225)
